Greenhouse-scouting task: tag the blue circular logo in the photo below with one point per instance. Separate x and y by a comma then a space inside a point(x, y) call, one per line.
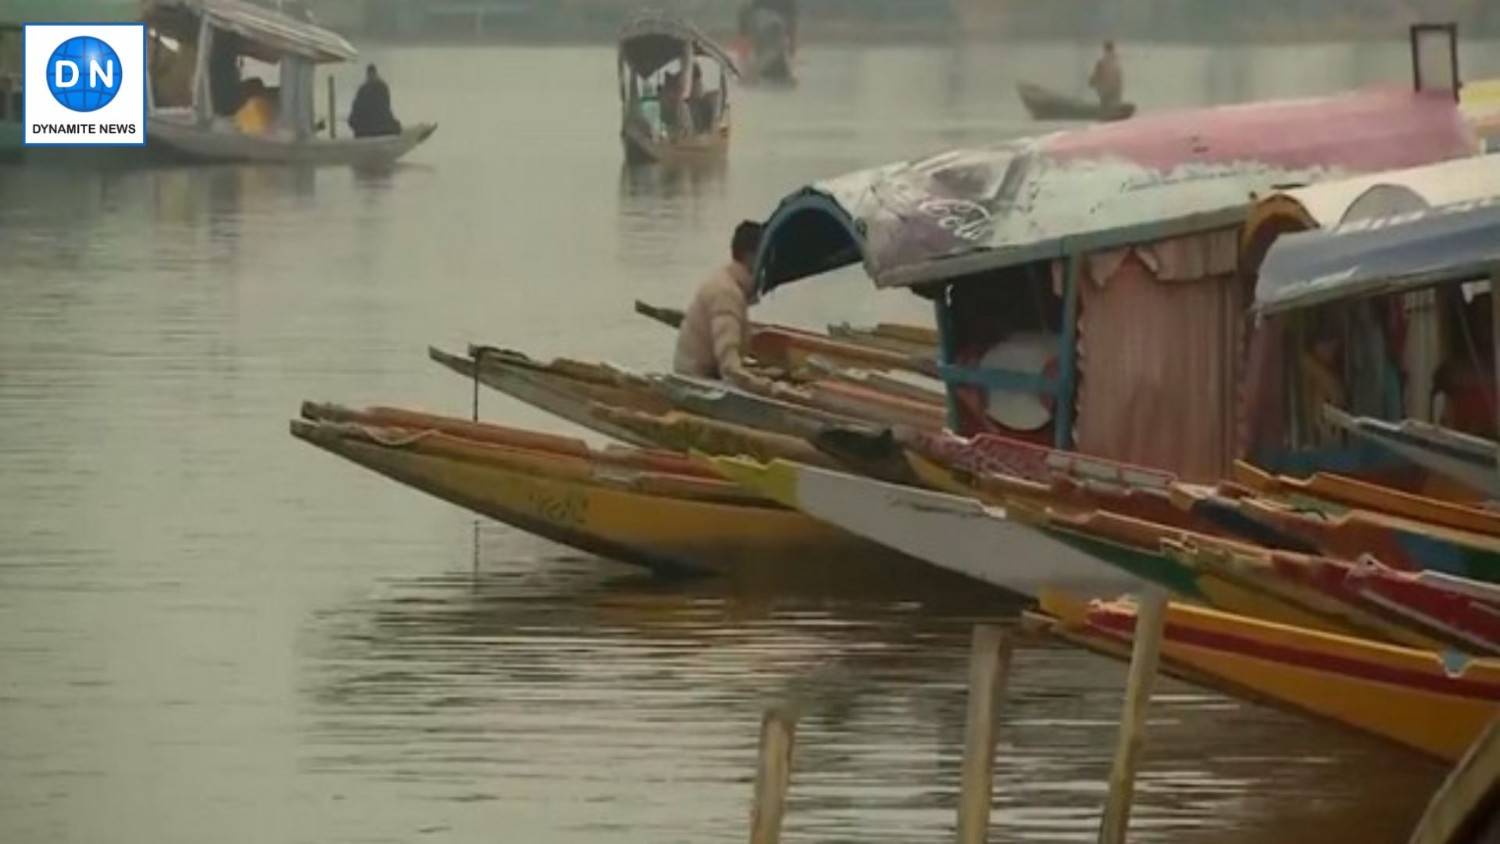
point(84, 74)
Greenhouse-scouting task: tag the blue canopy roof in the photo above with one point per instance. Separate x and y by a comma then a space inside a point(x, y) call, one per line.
point(1441, 245)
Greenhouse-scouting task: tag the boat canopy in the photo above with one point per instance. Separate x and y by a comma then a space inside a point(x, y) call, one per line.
point(1376, 195)
point(13, 13)
point(1380, 255)
point(265, 33)
point(651, 41)
point(1101, 187)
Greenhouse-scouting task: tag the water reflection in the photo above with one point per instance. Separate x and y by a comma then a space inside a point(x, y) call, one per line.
point(488, 685)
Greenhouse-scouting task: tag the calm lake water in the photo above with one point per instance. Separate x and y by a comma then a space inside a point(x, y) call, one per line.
point(210, 632)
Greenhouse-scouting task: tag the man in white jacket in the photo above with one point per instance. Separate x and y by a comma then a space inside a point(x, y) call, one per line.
point(715, 327)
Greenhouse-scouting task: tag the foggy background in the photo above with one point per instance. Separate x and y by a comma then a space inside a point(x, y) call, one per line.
point(896, 20)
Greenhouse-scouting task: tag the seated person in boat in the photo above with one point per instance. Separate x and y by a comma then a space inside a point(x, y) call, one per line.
point(225, 87)
point(701, 104)
point(1108, 80)
point(675, 115)
point(715, 327)
point(257, 112)
point(1465, 381)
point(370, 115)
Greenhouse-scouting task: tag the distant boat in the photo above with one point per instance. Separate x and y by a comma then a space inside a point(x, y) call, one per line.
point(198, 130)
point(767, 45)
point(1045, 104)
point(182, 119)
point(655, 124)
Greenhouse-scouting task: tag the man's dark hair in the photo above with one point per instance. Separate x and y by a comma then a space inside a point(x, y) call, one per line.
point(746, 241)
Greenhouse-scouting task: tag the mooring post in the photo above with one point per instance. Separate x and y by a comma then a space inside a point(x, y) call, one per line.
point(1150, 623)
point(989, 668)
point(332, 121)
point(778, 735)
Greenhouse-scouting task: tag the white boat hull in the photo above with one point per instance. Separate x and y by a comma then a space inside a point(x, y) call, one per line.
point(952, 532)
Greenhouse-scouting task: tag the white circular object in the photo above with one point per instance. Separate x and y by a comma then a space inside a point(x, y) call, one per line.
point(1026, 352)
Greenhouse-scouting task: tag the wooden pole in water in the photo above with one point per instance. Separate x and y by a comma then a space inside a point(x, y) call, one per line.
point(332, 121)
point(778, 734)
point(989, 668)
point(1150, 623)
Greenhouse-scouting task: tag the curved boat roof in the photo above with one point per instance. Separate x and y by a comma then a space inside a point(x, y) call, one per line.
point(1380, 194)
point(1104, 186)
point(268, 33)
point(1380, 255)
point(651, 40)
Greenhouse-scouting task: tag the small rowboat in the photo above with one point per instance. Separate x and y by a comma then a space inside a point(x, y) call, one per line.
point(1045, 104)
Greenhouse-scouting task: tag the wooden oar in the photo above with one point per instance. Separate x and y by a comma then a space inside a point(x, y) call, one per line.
point(668, 316)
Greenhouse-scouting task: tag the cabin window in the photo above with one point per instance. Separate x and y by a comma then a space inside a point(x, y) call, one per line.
point(1427, 356)
point(1005, 328)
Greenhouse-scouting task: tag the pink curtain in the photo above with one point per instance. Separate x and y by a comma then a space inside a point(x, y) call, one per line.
point(1154, 374)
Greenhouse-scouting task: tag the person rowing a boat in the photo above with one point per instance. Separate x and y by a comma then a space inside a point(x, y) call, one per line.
point(1108, 80)
point(715, 326)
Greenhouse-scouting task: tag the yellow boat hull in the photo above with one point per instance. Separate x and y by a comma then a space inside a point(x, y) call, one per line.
point(667, 524)
point(1402, 694)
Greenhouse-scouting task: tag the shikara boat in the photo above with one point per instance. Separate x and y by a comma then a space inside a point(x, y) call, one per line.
point(767, 43)
point(650, 509)
point(955, 533)
point(192, 124)
point(1465, 458)
point(669, 112)
point(1404, 543)
point(907, 340)
point(1416, 609)
point(1336, 494)
point(1045, 104)
point(575, 390)
point(1437, 704)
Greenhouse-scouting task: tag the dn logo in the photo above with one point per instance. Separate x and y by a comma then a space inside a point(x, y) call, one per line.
point(84, 74)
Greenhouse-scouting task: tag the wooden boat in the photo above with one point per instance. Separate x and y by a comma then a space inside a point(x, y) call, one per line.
point(658, 125)
point(573, 390)
point(817, 368)
point(902, 339)
point(1367, 600)
point(790, 349)
point(1400, 542)
point(1336, 494)
point(566, 389)
point(199, 131)
point(1466, 808)
point(643, 508)
point(1467, 459)
point(893, 337)
point(871, 404)
point(684, 432)
point(954, 533)
point(1417, 698)
point(1045, 104)
point(767, 44)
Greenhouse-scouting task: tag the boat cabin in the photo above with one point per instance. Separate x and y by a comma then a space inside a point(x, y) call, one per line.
point(237, 66)
point(1374, 347)
point(1088, 284)
point(674, 88)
